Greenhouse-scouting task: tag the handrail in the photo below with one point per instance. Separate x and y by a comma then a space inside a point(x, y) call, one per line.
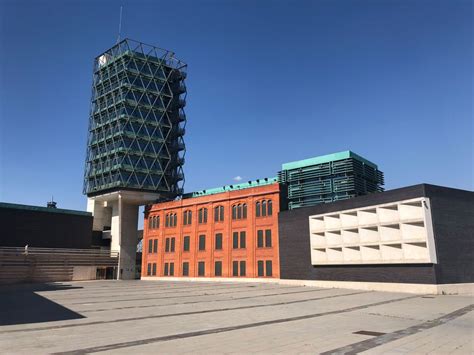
point(56, 251)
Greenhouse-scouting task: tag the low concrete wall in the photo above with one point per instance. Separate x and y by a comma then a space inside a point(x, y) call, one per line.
point(81, 273)
point(211, 279)
point(447, 289)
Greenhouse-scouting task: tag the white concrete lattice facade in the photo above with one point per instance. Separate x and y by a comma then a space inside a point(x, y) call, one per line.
point(393, 233)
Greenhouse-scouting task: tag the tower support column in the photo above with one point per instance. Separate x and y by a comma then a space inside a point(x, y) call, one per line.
point(119, 212)
point(124, 237)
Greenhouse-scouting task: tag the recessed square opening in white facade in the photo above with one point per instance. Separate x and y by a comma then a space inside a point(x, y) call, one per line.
point(415, 251)
point(334, 237)
point(332, 221)
point(319, 255)
point(388, 214)
point(415, 230)
point(369, 234)
point(411, 210)
point(392, 252)
point(352, 254)
point(335, 255)
point(349, 219)
point(316, 224)
point(390, 232)
point(370, 253)
point(350, 236)
point(318, 240)
point(367, 216)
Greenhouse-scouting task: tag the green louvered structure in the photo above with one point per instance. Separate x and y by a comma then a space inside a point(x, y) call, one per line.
point(137, 121)
point(329, 178)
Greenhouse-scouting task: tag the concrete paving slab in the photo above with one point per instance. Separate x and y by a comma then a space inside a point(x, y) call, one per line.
point(226, 317)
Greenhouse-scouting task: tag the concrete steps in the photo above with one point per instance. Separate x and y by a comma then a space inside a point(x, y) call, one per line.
point(48, 265)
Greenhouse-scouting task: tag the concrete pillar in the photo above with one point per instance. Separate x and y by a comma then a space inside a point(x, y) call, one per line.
point(119, 210)
point(124, 236)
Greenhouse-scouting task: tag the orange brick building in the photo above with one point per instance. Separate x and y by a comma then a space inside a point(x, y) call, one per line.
point(233, 233)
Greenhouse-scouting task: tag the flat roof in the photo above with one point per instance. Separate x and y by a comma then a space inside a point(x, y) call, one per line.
point(325, 159)
point(234, 187)
point(43, 209)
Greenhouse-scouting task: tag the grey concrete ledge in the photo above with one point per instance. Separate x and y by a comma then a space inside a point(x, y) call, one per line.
point(446, 289)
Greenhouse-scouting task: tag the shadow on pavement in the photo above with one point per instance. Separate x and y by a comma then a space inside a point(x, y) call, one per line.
point(20, 304)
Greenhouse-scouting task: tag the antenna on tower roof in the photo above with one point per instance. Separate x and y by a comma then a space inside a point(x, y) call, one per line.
point(51, 204)
point(120, 25)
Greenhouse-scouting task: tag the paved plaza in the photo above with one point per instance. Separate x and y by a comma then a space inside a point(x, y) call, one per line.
point(222, 317)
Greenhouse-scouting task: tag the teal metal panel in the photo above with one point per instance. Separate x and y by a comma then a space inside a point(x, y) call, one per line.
point(329, 178)
point(325, 159)
point(227, 188)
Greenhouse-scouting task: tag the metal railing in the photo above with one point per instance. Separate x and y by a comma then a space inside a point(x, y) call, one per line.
point(58, 251)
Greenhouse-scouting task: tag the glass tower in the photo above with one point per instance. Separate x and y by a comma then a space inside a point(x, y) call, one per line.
point(137, 122)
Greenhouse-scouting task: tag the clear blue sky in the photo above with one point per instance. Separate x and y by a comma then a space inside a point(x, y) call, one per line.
point(269, 82)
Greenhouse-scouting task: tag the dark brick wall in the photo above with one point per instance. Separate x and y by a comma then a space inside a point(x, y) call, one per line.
point(44, 229)
point(453, 224)
point(453, 219)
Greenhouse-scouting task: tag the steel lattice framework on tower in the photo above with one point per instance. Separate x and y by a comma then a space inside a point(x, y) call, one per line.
point(137, 121)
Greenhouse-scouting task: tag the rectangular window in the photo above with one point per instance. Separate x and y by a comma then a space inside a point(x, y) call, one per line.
point(171, 269)
point(155, 246)
point(219, 241)
point(201, 268)
point(268, 268)
point(200, 216)
point(260, 239)
point(186, 243)
point(202, 242)
point(216, 214)
point(205, 215)
point(173, 242)
point(148, 269)
point(167, 245)
point(218, 268)
point(242, 268)
point(242, 240)
point(166, 269)
point(260, 268)
point(187, 218)
point(150, 246)
point(154, 269)
point(268, 238)
point(235, 240)
point(235, 268)
point(186, 269)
